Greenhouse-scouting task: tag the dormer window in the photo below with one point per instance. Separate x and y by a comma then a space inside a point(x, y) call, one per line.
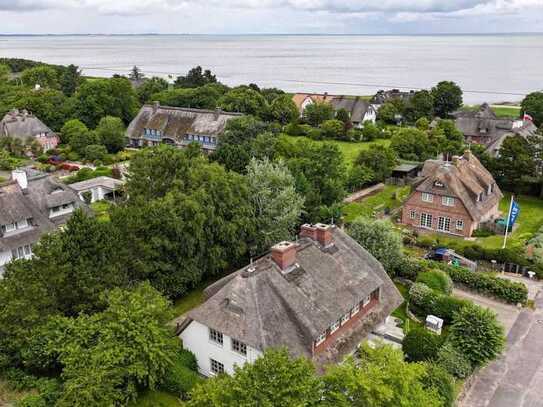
point(426, 197)
point(439, 184)
point(335, 326)
point(12, 227)
point(345, 318)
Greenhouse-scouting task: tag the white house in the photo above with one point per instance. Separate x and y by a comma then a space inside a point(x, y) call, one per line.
point(319, 297)
point(98, 188)
point(31, 204)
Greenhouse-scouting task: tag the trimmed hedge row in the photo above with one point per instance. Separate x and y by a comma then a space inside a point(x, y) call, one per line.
point(424, 301)
point(486, 284)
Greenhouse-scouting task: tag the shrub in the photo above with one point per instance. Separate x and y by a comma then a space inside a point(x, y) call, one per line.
point(333, 129)
point(95, 152)
point(446, 306)
point(424, 301)
point(510, 291)
point(409, 268)
point(454, 361)
point(182, 376)
point(482, 233)
point(438, 378)
point(420, 345)
point(437, 280)
point(477, 334)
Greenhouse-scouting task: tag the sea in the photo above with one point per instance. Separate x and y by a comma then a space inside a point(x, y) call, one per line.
point(489, 68)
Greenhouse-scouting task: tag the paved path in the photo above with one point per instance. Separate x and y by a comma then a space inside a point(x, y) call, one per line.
point(516, 378)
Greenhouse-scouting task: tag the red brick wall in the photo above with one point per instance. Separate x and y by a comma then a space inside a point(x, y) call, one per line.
point(436, 209)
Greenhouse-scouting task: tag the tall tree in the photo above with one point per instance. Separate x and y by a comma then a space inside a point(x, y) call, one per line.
point(283, 109)
point(533, 105)
point(244, 100)
point(516, 160)
point(380, 160)
point(276, 203)
point(272, 380)
point(72, 128)
point(195, 77)
point(111, 133)
point(136, 74)
point(447, 98)
point(413, 144)
point(419, 106)
point(70, 79)
point(317, 113)
point(150, 87)
point(45, 76)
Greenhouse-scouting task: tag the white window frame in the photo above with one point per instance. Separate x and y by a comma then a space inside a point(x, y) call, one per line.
point(355, 310)
point(412, 214)
point(335, 326)
point(320, 339)
point(447, 200)
point(427, 197)
point(216, 337)
point(345, 318)
point(239, 347)
point(215, 366)
point(426, 220)
point(366, 301)
point(459, 224)
point(444, 224)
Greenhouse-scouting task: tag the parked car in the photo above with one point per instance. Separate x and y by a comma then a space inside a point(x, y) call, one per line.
point(449, 256)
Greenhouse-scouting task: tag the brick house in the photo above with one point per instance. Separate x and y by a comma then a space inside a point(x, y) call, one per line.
point(452, 197)
point(319, 296)
point(23, 125)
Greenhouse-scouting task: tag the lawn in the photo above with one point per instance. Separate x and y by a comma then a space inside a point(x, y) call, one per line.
point(101, 209)
point(501, 111)
point(391, 196)
point(530, 219)
point(194, 298)
point(349, 149)
point(400, 311)
point(157, 399)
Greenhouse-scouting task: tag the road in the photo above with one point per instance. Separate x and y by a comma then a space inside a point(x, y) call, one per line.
point(516, 378)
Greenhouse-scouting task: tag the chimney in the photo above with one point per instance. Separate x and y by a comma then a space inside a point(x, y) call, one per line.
point(20, 177)
point(217, 113)
point(309, 231)
point(467, 155)
point(456, 160)
point(324, 234)
point(156, 105)
point(284, 254)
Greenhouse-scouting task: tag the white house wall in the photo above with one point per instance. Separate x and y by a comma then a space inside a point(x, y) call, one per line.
point(5, 257)
point(195, 338)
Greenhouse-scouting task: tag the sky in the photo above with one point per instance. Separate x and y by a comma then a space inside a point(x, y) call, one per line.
point(270, 16)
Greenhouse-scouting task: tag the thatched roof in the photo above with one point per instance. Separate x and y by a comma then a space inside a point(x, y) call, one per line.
point(465, 178)
point(42, 193)
point(176, 122)
point(356, 106)
point(22, 125)
point(267, 308)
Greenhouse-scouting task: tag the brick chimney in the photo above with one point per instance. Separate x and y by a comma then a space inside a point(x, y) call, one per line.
point(284, 254)
point(309, 231)
point(456, 160)
point(467, 155)
point(324, 234)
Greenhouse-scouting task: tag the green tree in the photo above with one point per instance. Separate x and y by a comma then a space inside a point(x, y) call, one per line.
point(49, 105)
point(276, 203)
point(244, 100)
point(332, 129)
point(359, 177)
point(72, 128)
point(70, 79)
point(447, 98)
point(150, 87)
point(195, 77)
point(380, 378)
point(283, 109)
point(420, 345)
point(532, 104)
point(388, 113)
point(515, 161)
point(95, 152)
point(477, 334)
point(105, 97)
point(111, 132)
point(379, 159)
point(204, 97)
point(317, 113)
point(370, 131)
point(413, 144)
point(421, 105)
point(447, 138)
point(136, 74)
point(5, 73)
point(439, 379)
point(108, 355)
point(45, 76)
point(380, 239)
point(81, 140)
point(272, 380)
point(271, 93)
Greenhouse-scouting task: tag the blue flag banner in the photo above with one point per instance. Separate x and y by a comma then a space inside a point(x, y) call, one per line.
point(515, 209)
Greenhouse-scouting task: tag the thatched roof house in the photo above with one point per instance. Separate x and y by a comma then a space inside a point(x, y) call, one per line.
point(155, 124)
point(23, 125)
point(319, 297)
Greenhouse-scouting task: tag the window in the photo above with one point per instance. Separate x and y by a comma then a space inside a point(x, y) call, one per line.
point(21, 252)
point(335, 326)
point(444, 224)
point(239, 347)
point(355, 310)
point(321, 338)
point(345, 318)
point(447, 200)
point(215, 336)
point(459, 224)
point(413, 214)
point(366, 301)
point(480, 197)
point(426, 197)
point(216, 367)
point(426, 220)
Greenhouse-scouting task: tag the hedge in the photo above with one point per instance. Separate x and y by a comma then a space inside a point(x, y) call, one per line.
point(509, 291)
point(454, 361)
point(425, 301)
point(437, 280)
point(421, 345)
point(438, 378)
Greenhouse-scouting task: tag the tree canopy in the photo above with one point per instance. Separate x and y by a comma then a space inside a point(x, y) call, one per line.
point(447, 98)
point(532, 104)
point(194, 78)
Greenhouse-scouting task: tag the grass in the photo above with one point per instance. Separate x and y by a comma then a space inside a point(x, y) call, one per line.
point(350, 149)
point(189, 301)
point(501, 111)
point(157, 399)
point(529, 221)
point(400, 311)
point(101, 209)
point(391, 196)
point(8, 396)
